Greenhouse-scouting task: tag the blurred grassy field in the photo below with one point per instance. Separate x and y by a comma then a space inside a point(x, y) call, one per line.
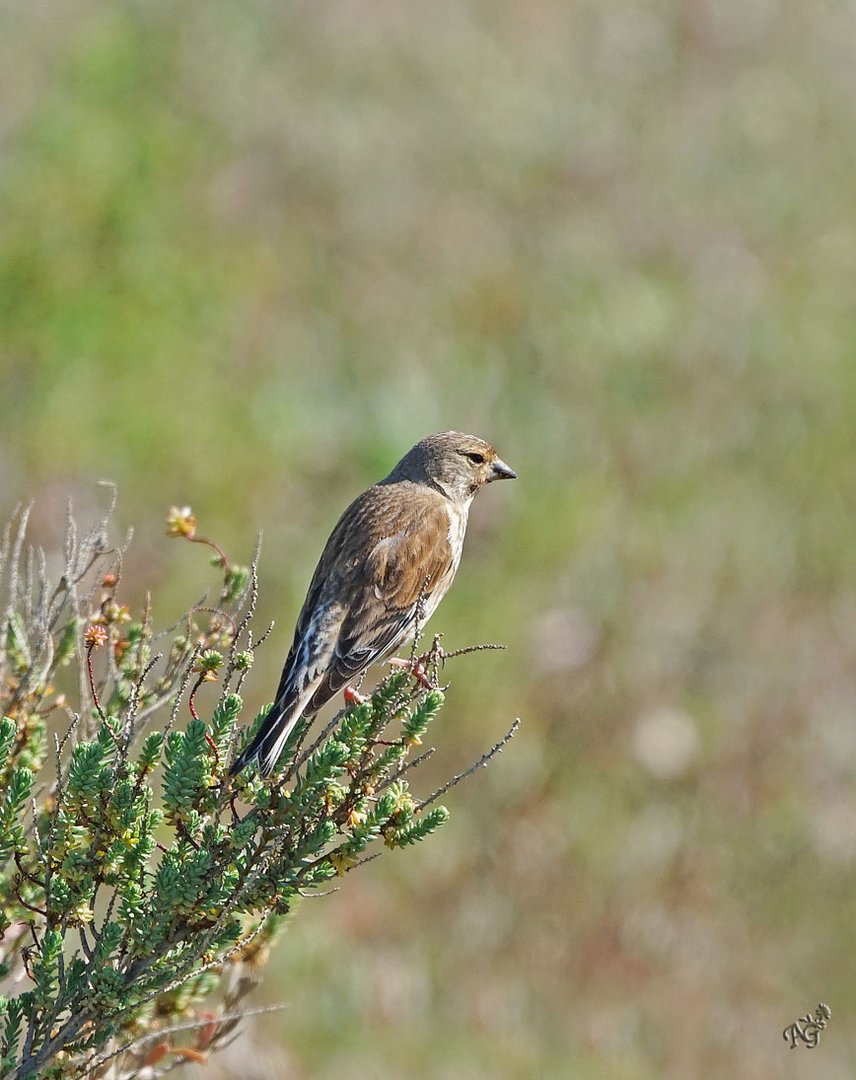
point(250, 253)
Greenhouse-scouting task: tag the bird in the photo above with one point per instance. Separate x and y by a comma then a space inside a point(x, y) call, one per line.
point(388, 563)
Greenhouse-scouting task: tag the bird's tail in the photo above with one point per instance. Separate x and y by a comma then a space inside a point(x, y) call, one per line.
point(271, 737)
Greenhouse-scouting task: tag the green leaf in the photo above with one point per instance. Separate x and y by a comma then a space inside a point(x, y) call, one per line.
point(46, 968)
point(8, 731)
point(421, 827)
point(224, 719)
point(416, 724)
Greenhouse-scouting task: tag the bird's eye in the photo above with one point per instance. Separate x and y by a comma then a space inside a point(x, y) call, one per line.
point(476, 459)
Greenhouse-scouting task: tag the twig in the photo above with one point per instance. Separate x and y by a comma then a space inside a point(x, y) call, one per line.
point(468, 649)
point(212, 544)
point(173, 1029)
point(480, 764)
point(91, 674)
point(407, 766)
point(176, 705)
point(260, 641)
point(190, 702)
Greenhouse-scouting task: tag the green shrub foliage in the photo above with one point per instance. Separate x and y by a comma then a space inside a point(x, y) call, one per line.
point(135, 877)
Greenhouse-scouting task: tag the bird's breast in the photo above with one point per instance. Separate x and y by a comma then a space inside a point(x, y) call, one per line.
point(456, 533)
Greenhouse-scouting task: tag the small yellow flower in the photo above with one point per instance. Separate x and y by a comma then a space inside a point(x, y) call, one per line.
point(84, 913)
point(342, 861)
point(181, 521)
point(356, 817)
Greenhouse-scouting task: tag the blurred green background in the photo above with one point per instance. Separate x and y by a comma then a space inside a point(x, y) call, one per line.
point(249, 253)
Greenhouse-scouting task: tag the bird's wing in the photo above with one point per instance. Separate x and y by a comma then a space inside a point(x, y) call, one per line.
point(390, 549)
point(396, 552)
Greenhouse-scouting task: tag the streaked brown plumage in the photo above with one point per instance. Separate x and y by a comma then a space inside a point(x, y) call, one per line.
point(397, 544)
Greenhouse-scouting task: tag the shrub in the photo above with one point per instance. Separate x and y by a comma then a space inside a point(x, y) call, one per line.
point(135, 877)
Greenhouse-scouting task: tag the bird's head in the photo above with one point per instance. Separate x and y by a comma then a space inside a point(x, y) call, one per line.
point(456, 463)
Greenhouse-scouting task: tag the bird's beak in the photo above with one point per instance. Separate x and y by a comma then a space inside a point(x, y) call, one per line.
point(500, 471)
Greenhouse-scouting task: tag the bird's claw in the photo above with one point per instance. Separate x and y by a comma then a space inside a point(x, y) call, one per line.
point(416, 667)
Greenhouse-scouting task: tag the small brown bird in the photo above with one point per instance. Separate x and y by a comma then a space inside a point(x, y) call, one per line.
point(387, 565)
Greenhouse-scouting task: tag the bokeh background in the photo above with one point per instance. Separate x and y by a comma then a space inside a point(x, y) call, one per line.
point(250, 252)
